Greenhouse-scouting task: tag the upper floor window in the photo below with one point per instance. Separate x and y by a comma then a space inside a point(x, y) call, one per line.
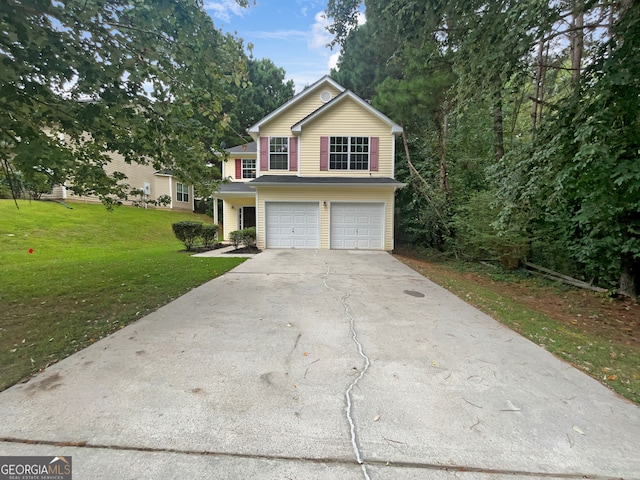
point(278, 153)
point(349, 153)
point(248, 168)
point(182, 192)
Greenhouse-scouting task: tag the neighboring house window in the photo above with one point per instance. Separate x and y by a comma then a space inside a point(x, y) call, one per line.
point(278, 153)
point(182, 192)
point(248, 168)
point(349, 153)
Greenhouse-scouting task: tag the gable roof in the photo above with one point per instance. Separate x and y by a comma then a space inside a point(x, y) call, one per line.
point(250, 147)
point(255, 129)
point(395, 128)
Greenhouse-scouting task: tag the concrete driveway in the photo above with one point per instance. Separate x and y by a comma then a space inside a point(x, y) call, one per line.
point(297, 364)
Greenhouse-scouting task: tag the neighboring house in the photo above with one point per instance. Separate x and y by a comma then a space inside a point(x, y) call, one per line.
point(320, 174)
point(153, 183)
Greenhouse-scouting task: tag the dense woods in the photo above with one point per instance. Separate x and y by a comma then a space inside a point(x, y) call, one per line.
point(522, 125)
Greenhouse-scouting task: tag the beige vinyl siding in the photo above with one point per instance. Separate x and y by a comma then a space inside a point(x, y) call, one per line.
point(136, 173)
point(229, 166)
point(281, 125)
point(351, 120)
point(326, 194)
point(58, 192)
point(230, 217)
point(161, 186)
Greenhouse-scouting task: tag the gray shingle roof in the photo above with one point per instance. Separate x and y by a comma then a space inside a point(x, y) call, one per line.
point(250, 147)
point(236, 187)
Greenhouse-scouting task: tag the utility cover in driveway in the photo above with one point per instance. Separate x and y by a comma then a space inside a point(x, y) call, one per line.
point(292, 225)
point(357, 225)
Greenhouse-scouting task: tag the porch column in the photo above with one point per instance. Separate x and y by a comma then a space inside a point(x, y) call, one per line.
point(215, 210)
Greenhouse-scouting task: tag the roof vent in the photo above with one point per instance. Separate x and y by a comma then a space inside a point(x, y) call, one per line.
point(325, 96)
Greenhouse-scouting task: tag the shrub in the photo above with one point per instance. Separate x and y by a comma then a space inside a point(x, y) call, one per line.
point(245, 237)
point(163, 200)
point(209, 235)
point(234, 238)
point(187, 232)
point(248, 237)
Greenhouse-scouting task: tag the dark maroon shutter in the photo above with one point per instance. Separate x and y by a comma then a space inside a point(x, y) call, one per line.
point(238, 169)
point(264, 153)
point(324, 154)
point(374, 153)
point(293, 153)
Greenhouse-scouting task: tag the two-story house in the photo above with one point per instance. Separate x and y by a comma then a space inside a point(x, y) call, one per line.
point(319, 174)
point(145, 178)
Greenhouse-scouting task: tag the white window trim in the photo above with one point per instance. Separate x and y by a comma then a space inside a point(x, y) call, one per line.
point(368, 169)
point(243, 168)
point(279, 153)
point(183, 193)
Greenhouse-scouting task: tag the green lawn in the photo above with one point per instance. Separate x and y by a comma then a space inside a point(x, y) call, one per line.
point(68, 277)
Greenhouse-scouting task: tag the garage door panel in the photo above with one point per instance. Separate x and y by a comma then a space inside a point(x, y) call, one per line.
point(292, 225)
point(357, 226)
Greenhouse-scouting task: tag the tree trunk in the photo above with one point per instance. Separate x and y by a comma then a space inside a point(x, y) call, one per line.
point(577, 41)
point(536, 109)
point(442, 125)
point(629, 275)
point(498, 129)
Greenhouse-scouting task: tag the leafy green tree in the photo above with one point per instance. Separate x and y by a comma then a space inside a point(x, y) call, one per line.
point(79, 79)
point(265, 91)
point(579, 181)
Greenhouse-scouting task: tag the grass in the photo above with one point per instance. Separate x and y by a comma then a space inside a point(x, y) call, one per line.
point(72, 276)
point(613, 363)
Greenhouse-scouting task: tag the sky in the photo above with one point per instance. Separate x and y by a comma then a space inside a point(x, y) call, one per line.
point(289, 32)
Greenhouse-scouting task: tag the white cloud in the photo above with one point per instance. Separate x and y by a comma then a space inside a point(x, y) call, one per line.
point(333, 60)
point(223, 9)
point(320, 37)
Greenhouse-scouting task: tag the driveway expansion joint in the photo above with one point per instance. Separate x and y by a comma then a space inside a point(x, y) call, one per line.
point(318, 460)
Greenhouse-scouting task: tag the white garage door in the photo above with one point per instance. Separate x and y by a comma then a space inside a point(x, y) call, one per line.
point(357, 225)
point(292, 225)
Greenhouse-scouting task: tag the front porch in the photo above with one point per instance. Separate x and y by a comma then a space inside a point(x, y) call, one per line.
point(238, 208)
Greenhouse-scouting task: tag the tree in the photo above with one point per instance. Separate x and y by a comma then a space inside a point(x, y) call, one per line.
point(266, 90)
point(79, 79)
point(581, 176)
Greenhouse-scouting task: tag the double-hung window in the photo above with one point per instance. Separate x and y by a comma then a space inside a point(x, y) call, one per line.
point(349, 153)
point(278, 153)
point(182, 192)
point(248, 168)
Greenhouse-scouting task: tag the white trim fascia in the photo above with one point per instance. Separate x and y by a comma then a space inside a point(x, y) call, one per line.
point(255, 129)
point(223, 195)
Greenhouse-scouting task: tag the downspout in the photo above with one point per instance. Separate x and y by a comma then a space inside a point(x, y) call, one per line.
point(171, 191)
point(259, 222)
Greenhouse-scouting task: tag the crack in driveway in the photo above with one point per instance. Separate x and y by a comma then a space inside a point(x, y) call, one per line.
point(367, 363)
